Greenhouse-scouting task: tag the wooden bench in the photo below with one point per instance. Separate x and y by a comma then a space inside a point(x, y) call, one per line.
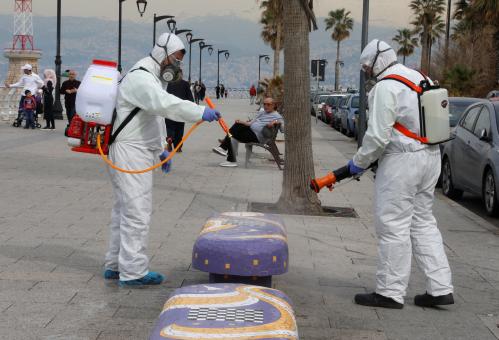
point(270, 145)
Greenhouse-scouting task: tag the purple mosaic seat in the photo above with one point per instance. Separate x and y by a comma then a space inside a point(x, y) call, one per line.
point(226, 311)
point(242, 247)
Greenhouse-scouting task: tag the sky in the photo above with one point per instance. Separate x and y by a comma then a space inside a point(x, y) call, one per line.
point(382, 12)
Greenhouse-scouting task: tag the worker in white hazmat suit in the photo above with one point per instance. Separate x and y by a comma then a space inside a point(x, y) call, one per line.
point(138, 146)
point(407, 173)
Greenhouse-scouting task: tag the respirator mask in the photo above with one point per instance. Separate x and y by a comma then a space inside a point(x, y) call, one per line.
point(172, 71)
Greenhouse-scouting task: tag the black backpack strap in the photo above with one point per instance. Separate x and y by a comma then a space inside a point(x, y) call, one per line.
point(129, 117)
point(123, 124)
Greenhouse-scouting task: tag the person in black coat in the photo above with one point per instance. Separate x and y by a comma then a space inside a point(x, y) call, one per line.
point(174, 129)
point(48, 105)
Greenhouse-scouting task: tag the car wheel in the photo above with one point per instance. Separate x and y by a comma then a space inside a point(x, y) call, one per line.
point(447, 185)
point(489, 194)
point(349, 133)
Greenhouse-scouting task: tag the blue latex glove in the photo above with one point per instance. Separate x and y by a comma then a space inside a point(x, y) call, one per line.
point(210, 115)
point(354, 169)
point(168, 165)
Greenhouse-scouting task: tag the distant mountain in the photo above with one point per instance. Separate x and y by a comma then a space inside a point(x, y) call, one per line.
point(84, 39)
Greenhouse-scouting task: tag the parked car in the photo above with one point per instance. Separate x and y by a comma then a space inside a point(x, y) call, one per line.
point(457, 105)
point(348, 112)
point(337, 114)
point(470, 161)
point(314, 97)
point(329, 107)
point(320, 101)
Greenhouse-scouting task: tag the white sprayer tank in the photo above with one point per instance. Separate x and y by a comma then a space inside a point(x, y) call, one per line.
point(435, 106)
point(96, 96)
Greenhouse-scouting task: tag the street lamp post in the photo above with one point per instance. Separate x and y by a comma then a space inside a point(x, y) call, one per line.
point(362, 90)
point(155, 20)
point(119, 34)
point(58, 62)
point(202, 46)
point(141, 7)
point(177, 32)
point(226, 54)
point(267, 59)
point(190, 40)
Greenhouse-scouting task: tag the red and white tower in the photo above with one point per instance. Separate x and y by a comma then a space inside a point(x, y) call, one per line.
point(23, 25)
point(23, 49)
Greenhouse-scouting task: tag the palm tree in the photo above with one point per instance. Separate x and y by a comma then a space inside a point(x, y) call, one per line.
point(341, 23)
point(407, 42)
point(299, 162)
point(489, 10)
point(429, 24)
point(272, 20)
point(296, 196)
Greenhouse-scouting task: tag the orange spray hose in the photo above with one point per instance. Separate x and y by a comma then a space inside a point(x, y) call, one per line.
point(108, 162)
point(221, 121)
point(187, 135)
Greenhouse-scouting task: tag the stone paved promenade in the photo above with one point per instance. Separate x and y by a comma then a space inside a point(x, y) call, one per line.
point(55, 207)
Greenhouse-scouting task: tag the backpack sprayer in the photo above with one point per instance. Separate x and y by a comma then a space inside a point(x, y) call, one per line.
point(91, 128)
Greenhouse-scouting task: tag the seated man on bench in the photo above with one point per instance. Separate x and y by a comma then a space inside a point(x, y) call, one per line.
point(249, 132)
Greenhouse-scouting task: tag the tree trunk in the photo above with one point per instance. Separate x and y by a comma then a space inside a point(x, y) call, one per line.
point(296, 195)
point(424, 51)
point(277, 51)
point(496, 44)
point(337, 68)
point(403, 60)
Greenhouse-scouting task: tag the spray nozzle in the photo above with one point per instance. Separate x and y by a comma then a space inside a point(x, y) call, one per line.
point(221, 121)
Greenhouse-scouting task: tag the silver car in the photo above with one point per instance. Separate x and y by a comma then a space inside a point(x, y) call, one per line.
point(470, 162)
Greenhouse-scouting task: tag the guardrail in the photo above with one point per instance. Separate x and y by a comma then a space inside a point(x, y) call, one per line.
point(9, 102)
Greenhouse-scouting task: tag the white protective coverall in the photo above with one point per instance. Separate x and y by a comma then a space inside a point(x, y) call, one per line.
point(405, 182)
point(138, 146)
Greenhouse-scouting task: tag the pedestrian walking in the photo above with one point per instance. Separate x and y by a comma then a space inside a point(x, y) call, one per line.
point(175, 129)
point(252, 93)
point(217, 91)
point(29, 81)
point(29, 109)
point(222, 90)
point(50, 80)
point(69, 88)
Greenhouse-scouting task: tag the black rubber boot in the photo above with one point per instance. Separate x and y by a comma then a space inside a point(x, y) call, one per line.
point(376, 300)
point(427, 300)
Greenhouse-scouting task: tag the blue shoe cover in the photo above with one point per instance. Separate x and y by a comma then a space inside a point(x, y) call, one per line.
point(111, 274)
point(152, 278)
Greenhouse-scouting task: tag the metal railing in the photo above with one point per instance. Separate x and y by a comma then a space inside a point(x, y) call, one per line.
point(9, 102)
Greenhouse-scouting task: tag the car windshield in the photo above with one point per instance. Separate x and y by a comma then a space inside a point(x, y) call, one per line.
point(496, 108)
point(456, 110)
point(332, 100)
point(355, 102)
point(322, 99)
